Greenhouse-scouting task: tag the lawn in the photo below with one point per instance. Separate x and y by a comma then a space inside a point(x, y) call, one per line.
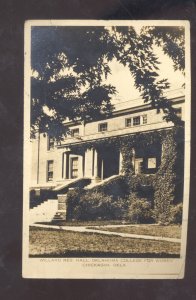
point(171, 231)
point(85, 223)
point(60, 243)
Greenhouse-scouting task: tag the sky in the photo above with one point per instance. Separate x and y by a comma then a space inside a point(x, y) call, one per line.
point(121, 78)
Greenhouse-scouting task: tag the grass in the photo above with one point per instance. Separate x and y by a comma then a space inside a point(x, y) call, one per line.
point(85, 223)
point(171, 231)
point(60, 243)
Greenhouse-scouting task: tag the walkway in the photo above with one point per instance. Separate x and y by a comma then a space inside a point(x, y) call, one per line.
point(126, 235)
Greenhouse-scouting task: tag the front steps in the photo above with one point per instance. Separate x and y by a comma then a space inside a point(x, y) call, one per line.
point(44, 212)
point(59, 216)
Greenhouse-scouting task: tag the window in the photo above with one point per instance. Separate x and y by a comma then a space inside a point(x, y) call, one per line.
point(138, 165)
point(144, 117)
point(152, 163)
point(128, 122)
point(50, 170)
point(103, 127)
point(50, 143)
point(75, 132)
point(74, 167)
point(136, 121)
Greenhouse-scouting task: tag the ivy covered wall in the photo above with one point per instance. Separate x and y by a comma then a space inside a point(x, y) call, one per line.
point(161, 187)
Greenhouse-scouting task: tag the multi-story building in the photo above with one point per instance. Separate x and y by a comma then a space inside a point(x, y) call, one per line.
point(77, 156)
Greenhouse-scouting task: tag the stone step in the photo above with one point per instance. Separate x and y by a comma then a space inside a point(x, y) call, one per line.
point(44, 212)
point(59, 216)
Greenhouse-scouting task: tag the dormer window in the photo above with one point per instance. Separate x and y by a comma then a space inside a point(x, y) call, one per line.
point(128, 122)
point(136, 121)
point(75, 132)
point(144, 119)
point(103, 127)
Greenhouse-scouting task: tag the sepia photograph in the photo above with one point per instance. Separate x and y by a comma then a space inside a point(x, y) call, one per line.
point(106, 149)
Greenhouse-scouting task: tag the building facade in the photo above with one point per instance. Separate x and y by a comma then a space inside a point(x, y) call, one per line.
point(78, 156)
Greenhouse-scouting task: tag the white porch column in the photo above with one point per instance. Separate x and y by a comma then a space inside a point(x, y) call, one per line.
point(133, 158)
point(95, 163)
point(88, 163)
point(102, 166)
point(58, 166)
point(120, 163)
point(64, 165)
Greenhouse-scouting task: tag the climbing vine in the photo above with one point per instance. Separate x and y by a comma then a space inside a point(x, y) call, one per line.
point(163, 182)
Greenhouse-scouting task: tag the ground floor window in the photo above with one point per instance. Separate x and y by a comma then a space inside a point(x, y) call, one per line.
point(74, 167)
point(146, 165)
point(50, 164)
point(138, 165)
point(152, 163)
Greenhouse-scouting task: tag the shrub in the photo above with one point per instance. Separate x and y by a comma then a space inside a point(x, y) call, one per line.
point(136, 181)
point(139, 210)
point(93, 205)
point(73, 198)
point(116, 187)
point(90, 206)
point(176, 214)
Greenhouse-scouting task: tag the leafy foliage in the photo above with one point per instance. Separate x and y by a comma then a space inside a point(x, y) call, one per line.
point(165, 180)
point(89, 206)
point(162, 185)
point(172, 41)
point(73, 198)
point(139, 210)
point(109, 201)
point(176, 214)
point(70, 64)
point(117, 187)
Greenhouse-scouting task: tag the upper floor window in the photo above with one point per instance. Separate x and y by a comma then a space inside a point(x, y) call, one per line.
point(50, 170)
point(144, 117)
point(103, 127)
point(75, 132)
point(50, 143)
point(128, 122)
point(136, 120)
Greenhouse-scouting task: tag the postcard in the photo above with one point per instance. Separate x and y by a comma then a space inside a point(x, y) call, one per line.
point(106, 149)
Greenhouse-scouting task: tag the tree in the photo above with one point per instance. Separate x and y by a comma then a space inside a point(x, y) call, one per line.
point(70, 65)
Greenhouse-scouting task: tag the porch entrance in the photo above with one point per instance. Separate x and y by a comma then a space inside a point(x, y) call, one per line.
point(108, 163)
